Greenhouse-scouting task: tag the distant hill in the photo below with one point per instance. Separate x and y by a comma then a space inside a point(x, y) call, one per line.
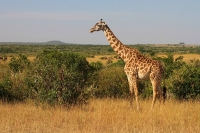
point(54, 42)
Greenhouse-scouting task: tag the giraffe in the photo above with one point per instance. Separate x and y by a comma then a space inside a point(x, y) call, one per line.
point(137, 66)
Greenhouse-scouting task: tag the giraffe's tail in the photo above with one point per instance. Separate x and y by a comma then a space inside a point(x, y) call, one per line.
point(164, 93)
point(164, 89)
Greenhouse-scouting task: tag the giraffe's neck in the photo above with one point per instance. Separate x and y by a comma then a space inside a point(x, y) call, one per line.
point(116, 44)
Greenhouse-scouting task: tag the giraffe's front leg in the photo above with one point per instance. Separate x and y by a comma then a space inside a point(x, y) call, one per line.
point(131, 94)
point(133, 88)
point(136, 92)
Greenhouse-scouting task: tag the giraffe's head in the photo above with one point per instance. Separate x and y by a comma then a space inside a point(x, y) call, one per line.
point(99, 26)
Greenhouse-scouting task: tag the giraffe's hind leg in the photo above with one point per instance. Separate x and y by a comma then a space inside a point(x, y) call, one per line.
point(156, 90)
point(136, 94)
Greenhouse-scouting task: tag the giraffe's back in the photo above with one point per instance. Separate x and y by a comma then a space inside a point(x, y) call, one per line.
point(144, 66)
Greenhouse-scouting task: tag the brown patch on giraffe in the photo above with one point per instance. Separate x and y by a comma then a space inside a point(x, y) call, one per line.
point(128, 56)
point(122, 55)
point(129, 65)
point(117, 44)
point(141, 64)
point(120, 47)
point(153, 63)
point(145, 61)
point(114, 40)
point(131, 53)
point(113, 36)
point(126, 51)
point(111, 43)
point(143, 71)
point(114, 47)
point(131, 61)
point(148, 61)
point(117, 50)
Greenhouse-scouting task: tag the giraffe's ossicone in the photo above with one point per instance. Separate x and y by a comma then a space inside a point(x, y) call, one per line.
point(137, 66)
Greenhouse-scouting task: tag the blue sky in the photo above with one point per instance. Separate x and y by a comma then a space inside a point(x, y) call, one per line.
point(132, 21)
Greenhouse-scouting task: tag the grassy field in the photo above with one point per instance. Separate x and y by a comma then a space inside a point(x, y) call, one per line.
point(102, 116)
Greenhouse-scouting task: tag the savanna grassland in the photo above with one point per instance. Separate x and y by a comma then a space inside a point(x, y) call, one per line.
point(42, 89)
point(102, 115)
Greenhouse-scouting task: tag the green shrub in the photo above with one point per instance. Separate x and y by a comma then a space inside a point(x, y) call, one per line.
point(96, 65)
point(12, 84)
point(59, 78)
point(17, 65)
point(185, 83)
point(4, 94)
point(119, 63)
point(171, 64)
point(112, 82)
point(11, 90)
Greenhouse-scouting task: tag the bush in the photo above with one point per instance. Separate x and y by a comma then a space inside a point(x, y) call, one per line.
point(59, 78)
point(12, 84)
point(4, 94)
point(17, 65)
point(11, 91)
point(119, 63)
point(112, 82)
point(185, 83)
point(96, 65)
point(171, 64)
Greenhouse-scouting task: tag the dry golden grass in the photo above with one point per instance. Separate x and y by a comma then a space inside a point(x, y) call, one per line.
point(102, 116)
point(97, 58)
point(31, 58)
point(186, 57)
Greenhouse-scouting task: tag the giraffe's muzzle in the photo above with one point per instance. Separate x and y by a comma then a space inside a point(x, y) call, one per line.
point(91, 30)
